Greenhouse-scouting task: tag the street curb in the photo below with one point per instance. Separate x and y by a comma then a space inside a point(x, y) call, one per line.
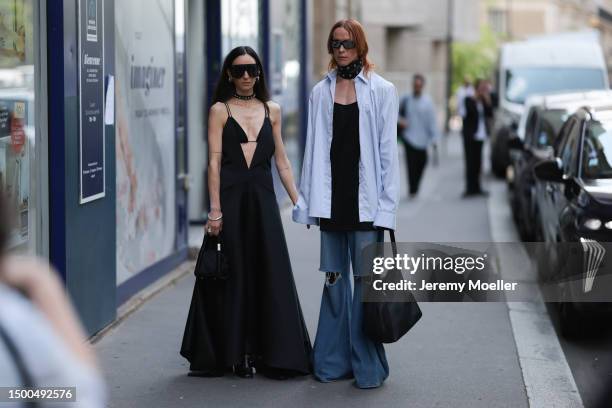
point(547, 376)
point(146, 294)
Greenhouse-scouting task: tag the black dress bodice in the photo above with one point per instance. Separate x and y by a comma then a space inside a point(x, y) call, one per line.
point(344, 155)
point(234, 168)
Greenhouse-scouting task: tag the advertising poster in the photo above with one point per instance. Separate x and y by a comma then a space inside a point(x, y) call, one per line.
point(91, 101)
point(145, 147)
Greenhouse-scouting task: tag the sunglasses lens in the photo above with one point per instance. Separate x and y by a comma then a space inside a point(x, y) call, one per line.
point(252, 70)
point(349, 44)
point(238, 70)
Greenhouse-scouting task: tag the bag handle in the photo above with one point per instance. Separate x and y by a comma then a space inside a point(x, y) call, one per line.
point(27, 380)
point(393, 243)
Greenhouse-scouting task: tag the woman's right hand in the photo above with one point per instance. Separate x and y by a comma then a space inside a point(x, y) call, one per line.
point(214, 227)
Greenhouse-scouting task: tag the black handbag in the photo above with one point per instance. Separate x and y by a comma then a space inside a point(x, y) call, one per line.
point(211, 263)
point(386, 321)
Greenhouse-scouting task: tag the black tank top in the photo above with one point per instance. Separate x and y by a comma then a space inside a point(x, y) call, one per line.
point(344, 156)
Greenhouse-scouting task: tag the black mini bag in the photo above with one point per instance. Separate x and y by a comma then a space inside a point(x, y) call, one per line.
point(211, 263)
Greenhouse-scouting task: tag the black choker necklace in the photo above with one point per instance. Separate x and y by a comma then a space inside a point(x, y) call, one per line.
point(244, 97)
point(351, 70)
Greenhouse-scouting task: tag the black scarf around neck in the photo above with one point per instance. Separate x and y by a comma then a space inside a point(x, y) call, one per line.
point(351, 70)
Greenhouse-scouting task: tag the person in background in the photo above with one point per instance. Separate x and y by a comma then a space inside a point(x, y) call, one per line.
point(465, 90)
point(417, 121)
point(476, 129)
point(42, 343)
point(349, 186)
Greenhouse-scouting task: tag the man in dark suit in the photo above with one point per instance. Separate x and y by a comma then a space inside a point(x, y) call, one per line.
point(476, 129)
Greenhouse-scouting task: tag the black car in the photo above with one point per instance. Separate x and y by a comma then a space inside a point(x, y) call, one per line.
point(541, 128)
point(574, 206)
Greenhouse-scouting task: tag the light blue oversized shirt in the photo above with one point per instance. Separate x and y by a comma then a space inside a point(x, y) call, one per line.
point(421, 115)
point(379, 182)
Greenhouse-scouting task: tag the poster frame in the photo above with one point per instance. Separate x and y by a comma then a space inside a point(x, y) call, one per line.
point(102, 194)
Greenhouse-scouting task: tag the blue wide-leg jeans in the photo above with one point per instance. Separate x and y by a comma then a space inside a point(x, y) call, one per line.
point(341, 348)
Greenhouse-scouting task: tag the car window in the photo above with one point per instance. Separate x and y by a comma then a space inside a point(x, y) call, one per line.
point(530, 127)
point(524, 81)
point(549, 126)
point(564, 133)
point(597, 151)
point(569, 154)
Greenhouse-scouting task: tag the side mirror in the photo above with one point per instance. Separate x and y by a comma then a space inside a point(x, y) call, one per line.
point(549, 151)
point(549, 170)
point(514, 126)
point(516, 143)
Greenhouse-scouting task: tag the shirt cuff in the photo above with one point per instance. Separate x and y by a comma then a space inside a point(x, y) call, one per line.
point(300, 215)
point(385, 219)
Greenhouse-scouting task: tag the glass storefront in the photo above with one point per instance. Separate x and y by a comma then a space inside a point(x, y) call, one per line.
point(239, 24)
point(286, 71)
point(17, 114)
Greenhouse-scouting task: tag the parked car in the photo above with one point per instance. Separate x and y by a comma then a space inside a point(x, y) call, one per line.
point(548, 64)
point(538, 128)
point(574, 199)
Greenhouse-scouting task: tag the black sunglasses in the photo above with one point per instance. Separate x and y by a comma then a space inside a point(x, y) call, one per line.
point(347, 44)
point(238, 70)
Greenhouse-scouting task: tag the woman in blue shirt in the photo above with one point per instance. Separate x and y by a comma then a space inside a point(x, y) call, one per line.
point(349, 186)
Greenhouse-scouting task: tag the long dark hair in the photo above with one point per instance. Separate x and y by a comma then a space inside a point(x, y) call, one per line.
point(225, 89)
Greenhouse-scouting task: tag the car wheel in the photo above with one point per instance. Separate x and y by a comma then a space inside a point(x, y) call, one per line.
point(500, 156)
point(571, 321)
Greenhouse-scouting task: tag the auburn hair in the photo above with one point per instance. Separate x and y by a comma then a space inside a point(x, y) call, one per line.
point(355, 29)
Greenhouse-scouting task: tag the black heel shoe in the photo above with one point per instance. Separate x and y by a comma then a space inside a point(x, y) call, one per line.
point(244, 369)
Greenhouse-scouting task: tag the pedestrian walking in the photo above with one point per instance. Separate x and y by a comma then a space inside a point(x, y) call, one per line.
point(419, 130)
point(349, 186)
point(476, 129)
point(252, 319)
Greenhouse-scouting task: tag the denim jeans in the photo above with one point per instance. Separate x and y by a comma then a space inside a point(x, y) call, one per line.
point(341, 349)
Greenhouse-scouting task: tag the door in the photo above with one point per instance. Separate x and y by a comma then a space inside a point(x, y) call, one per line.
point(182, 175)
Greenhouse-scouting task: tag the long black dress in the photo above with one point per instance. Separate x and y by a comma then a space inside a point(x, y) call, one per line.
point(256, 311)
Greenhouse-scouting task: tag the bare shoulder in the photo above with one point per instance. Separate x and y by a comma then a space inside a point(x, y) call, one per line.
point(218, 109)
point(275, 109)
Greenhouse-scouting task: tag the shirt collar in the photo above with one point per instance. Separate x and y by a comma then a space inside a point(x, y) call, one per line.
point(331, 75)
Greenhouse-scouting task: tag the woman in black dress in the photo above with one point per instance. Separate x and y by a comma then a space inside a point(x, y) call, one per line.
point(253, 319)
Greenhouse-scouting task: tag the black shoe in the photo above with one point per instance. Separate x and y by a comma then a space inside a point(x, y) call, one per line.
point(205, 373)
point(481, 193)
point(244, 369)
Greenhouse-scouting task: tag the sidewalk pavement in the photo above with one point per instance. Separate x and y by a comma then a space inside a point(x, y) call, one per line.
point(458, 355)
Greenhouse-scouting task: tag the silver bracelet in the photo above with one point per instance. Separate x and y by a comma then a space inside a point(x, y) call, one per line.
point(214, 219)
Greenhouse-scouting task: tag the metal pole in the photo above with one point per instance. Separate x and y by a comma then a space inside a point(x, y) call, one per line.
point(509, 19)
point(449, 61)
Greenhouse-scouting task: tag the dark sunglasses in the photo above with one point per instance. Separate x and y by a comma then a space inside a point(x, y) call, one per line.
point(347, 44)
point(238, 70)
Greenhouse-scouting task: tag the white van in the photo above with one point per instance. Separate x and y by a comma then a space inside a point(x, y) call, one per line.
point(563, 62)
